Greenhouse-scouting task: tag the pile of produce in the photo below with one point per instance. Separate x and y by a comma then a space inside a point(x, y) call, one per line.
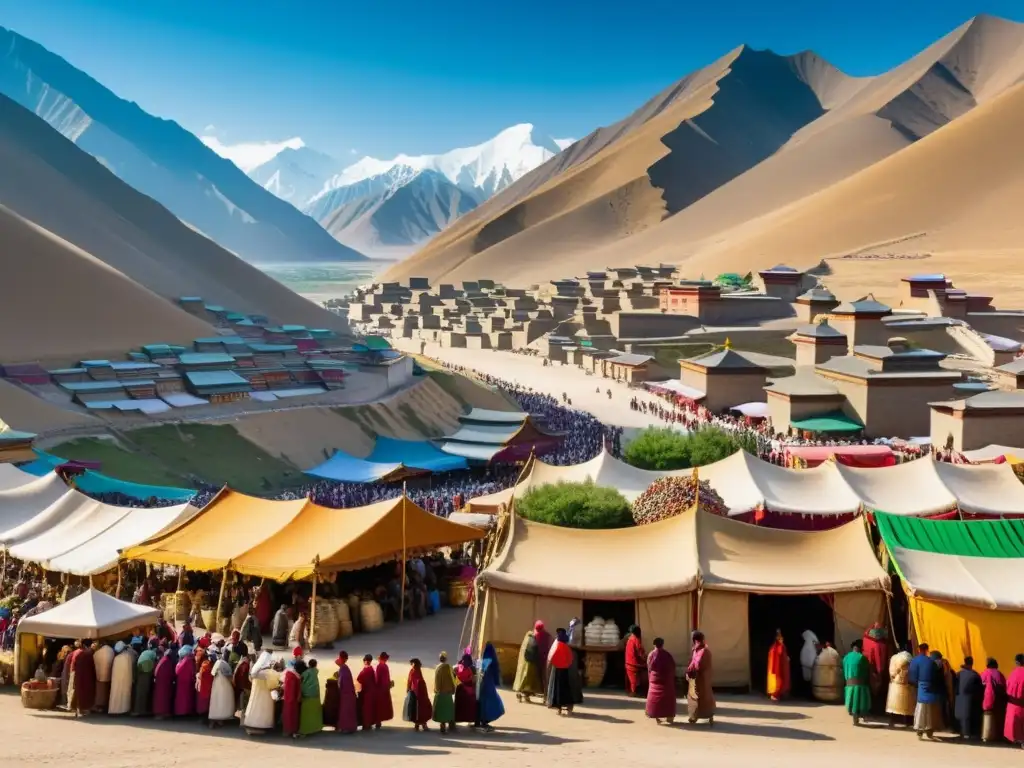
point(670, 496)
point(601, 632)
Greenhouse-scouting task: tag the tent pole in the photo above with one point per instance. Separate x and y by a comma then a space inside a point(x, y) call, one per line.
point(3, 572)
point(220, 601)
point(401, 611)
point(312, 609)
point(117, 593)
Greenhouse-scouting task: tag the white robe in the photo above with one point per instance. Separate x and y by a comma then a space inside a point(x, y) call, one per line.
point(222, 698)
point(808, 654)
point(103, 658)
point(259, 713)
point(122, 681)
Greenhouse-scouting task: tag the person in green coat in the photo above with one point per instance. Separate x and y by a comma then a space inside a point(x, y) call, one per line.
point(311, 713)
point(857, 670)
point(444, 694)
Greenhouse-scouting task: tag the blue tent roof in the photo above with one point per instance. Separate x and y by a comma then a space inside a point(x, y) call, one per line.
point(91, 482)
point(345, 468)
point(416, 454)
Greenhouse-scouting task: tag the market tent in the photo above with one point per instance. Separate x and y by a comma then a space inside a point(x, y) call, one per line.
point(912, 488)
point(485, 435)
point(75, 519)
point(851, 455)
point(102, 552)
point(345, 468)
point(230, 525)
point(963, 581)
point(983, 489)
point(346, 539)
point(747, 483)
point(474, 519)
point(18, 506)
point(93, 482)
point(546, 572)
point(837, 421)
point(415, 454)
point(490, 503)
point(91, 615)
point(11, 477)
point(991, 453)
point(754, 410)
point(738, 561)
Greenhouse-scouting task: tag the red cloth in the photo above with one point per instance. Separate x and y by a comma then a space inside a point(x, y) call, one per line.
point(661, 689)
point(264, 611)
point(636, 665)
point(185, 687)
point(292, 702)
point(418, 686)
point(367, 697)
point(385, 709)
point(1014, 728)
point(163, 687)
point(877, 653)
point(779, 679)
point(204, 687)
point(83, 667)
point(561, 656)
point(347, 703)
point(465, 695)
point(995, 690)
point(241, 681)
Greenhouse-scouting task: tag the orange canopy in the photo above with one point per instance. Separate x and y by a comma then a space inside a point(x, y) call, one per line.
point(284, 540)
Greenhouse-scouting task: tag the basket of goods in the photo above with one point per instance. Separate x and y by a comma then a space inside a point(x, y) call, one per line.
point(167, 606)
point(827, 682)
point(182, 606)
point(371, 617)
point(39, 694)
point(670, 496)
point(341, 610)
point(610, 634)
point(593, 632)
point(238, 615)
point(325, 628)
point(595, 664)
point(459, 592)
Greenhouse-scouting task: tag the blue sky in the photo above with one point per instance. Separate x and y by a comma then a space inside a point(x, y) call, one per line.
point(381, 77)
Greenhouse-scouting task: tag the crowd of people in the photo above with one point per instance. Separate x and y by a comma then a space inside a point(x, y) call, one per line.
point(219, 681)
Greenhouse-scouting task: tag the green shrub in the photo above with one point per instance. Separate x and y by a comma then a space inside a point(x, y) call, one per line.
point(575, 505)
point(664, 449)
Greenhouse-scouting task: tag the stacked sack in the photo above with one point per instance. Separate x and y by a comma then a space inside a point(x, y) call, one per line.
point(600, 632)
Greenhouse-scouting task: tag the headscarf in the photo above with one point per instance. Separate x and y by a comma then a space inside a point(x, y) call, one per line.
point(263, 662)
point(119, 646)
point(493, 669)
point(342, 659)
point(573, 623)
point(538, 626)
point(184, 651)
point(699, 645)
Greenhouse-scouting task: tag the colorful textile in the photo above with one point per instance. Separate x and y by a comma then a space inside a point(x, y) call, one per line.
point(661, 687)
point(163, 685)
point(636, 666)
point(465, 692)
point(1013, 731)
point(489, 704)
point(385, 707)
point(779, 679)
point(444, 693)
point(142, 695)
point(928, 679)
point(185, 685)
point(204, 686)
point(700, 695)
point(418, 708)
point(901, 698)
point(292, 702)
point(529, 677)
point(311, 715)
point(976, 538)
point(82, 683)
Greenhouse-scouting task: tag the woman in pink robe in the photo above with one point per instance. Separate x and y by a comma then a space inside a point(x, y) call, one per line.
point(291, 681)
point(661, 684)
point(348, 720)
point(163, 684)
point(204, 682)
point(185, 684)
point(1014, 728)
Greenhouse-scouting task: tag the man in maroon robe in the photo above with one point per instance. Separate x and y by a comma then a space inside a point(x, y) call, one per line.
point(367, 698)
point(348, 718)
point(661, 684)
point(291, 681)
point(385, 708)
point(163, 683)
point(82, 683)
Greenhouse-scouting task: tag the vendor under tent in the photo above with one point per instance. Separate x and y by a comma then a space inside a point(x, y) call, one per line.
point(804, 456)
point(963, 582)
point(93, 615)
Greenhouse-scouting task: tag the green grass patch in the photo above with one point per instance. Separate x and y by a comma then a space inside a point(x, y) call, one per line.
point(218, 454)
point(120, 463)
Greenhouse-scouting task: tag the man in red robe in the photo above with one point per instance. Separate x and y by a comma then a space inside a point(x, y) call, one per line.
point(82, 683)
point(779, 680)
point(418, 707)
point(204, 683)
point(367, 698)
point(877, 652)
point(291, 681)
point(636, 662)
point(348, 708)
point(385, 709)
point(661, 685)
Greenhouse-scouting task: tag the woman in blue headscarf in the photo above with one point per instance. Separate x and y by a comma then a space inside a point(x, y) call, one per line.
point(489, 705)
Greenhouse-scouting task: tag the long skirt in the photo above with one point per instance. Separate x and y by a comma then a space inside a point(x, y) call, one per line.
point(575, 680)
point(465, 704)
point(332, 699)
point(528, 680)
point(141, 704)
point(559, 694)
point(444, 708)
point(901, 699)
point(102, 694)
point(311, 716)
point(992, 725)
point(928, 717)
point(702, 708)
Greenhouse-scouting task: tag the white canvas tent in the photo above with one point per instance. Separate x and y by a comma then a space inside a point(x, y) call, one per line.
point(985, 582)
point(91, 615)
point(20, 505)
point(11, 477)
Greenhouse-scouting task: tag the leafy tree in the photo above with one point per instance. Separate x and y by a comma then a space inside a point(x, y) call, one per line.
point(664, 449)
point(575, 505)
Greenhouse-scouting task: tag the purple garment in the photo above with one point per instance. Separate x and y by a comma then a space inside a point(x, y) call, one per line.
point(163, 687)
point(661, 684)
point(185, 687)
point(348, 719)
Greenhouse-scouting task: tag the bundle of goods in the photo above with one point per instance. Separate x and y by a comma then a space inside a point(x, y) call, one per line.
point(353, 612)
point(325, 630)
point(595, 665)
point(40, 694)
point(182, 606)
point(167, 606)
point(670, 496)
point(459, 591)
point(371, 617)
point(600, 632)
point(827, 682)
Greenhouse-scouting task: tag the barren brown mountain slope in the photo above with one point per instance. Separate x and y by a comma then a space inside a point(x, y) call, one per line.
point(956, 195)
point(50, 181)
point(60, 303)
point(860, 122)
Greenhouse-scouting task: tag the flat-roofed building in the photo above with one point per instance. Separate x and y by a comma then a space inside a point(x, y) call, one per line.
point(989, 418)
point(726, 377)
point(818, 342)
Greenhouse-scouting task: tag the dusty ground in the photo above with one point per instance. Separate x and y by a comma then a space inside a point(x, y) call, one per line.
point(608, 730)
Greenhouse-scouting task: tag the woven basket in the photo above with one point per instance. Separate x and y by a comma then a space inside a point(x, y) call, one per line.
point(594, 667)
point(344, 630)
point(39, 695)
point(238, 616)
point(341, 610)
point(182, 605)
point(326, 628)
point(371, 617)
point(458, 593)
point(208, 615)
point(353, 612)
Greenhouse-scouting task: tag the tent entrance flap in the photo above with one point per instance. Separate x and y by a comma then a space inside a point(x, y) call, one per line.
point(793, 614)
